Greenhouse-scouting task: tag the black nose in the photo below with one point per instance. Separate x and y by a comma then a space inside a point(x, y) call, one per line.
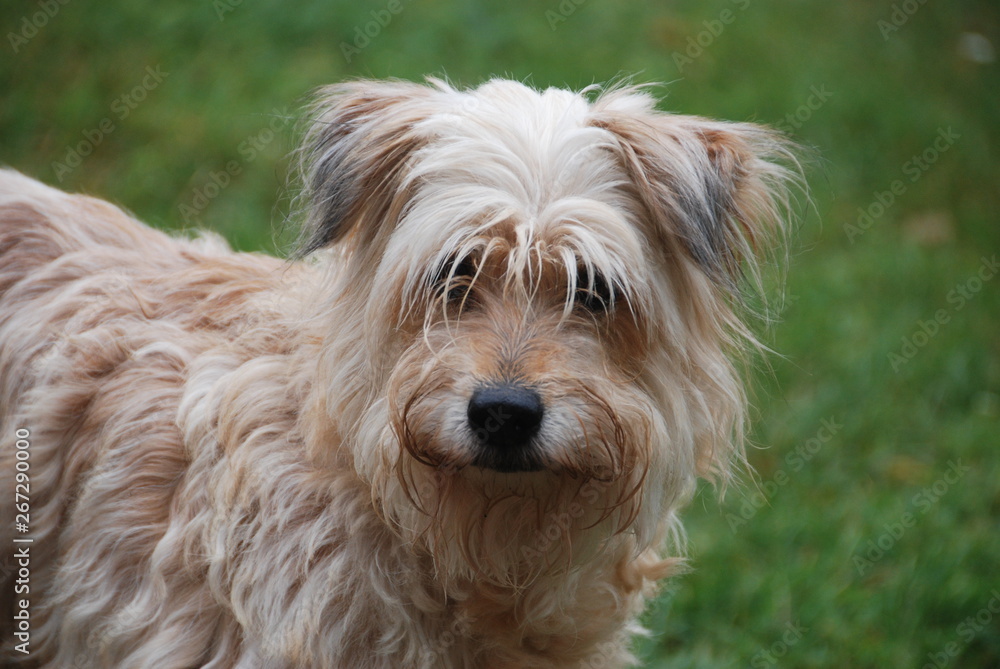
point(505, 417)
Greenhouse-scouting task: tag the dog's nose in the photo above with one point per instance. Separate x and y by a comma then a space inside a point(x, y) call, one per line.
point(506, 416)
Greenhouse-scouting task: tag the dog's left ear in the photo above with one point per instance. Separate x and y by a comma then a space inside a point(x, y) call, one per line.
point(715, 197)
point(716, 191)
point(353, 157)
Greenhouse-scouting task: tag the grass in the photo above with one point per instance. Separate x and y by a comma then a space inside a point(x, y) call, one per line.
point(779, 578)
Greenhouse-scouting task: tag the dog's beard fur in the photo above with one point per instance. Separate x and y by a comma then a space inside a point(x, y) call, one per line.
point(332, 503)
point(639, 398)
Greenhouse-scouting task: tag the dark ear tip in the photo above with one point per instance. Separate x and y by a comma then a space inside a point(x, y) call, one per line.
point(352, 157)
point(718, 192)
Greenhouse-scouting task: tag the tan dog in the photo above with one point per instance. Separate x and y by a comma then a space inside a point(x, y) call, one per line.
point(455, 435)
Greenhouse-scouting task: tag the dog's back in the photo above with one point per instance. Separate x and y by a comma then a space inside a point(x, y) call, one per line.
point(100, 317)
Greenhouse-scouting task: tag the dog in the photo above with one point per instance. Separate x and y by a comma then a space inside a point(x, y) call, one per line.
point(453, 429)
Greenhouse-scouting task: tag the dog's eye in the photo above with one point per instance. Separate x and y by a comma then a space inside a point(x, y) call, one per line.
point(593, 292)
point(456, 286)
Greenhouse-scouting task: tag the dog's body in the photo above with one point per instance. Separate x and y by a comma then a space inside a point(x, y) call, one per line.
point(457, 437)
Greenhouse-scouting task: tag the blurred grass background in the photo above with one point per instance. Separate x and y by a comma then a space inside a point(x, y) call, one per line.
point(820, 567)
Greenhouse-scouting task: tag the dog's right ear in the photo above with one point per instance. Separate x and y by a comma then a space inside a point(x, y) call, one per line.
point(355, 151)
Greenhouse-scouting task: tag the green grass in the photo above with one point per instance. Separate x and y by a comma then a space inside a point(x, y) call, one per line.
point(851, 301)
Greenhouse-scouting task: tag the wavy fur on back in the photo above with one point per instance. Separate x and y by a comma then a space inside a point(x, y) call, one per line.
point(240, 462)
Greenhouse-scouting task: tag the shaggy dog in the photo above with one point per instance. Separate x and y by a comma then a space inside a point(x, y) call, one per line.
point(453, 431)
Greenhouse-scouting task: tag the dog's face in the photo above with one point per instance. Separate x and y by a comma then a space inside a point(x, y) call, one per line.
point(535, 293)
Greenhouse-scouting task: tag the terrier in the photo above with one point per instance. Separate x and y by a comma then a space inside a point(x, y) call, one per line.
point(453, 430)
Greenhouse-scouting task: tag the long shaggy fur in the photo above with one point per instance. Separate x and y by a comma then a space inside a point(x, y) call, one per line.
point(243, 462)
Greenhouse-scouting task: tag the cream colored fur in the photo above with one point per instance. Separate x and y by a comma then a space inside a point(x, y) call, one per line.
point(242, 462)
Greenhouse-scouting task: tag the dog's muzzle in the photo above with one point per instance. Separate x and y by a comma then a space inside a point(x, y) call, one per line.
point(504, 420)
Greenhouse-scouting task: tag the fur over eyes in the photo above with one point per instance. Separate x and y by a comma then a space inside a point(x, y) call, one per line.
point(238, 461)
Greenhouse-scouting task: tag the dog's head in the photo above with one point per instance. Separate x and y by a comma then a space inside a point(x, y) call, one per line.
point(534, 304)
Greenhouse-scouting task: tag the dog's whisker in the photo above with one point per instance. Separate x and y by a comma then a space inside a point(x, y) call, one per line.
point(468, 407)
